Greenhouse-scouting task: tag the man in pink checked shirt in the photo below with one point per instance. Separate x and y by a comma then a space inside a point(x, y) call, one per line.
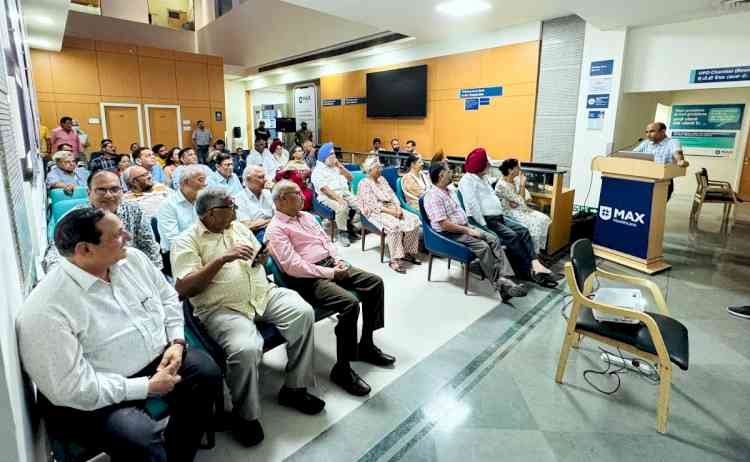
point(304, 252)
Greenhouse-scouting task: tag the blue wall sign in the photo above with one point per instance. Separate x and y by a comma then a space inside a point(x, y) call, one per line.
point(471, 104)
point(484, 101)
point(596, 114)
point(707, 117)
point(597, 102)
point(624, 216)
point(605, 67)
point(355, 100)
point(720, 74)
point(480, 92)
point(331, 102)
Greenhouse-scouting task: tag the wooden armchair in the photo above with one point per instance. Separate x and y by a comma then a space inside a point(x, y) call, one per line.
point(657, 337)
point(712, 192)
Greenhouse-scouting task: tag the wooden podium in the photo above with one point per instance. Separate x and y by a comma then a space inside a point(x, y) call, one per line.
point(630, 224)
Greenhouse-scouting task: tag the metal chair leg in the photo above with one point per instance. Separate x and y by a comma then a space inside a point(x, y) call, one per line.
point(429, 268)
point(364, 236)
point(466, 279)
point(449, 263)
point(382, 247)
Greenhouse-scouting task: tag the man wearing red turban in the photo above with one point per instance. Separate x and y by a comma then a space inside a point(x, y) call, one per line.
point(483, 205)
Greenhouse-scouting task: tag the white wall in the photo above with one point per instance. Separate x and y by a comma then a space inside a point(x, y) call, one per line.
point(260, 97)
point(130, 10)
point(660, 58)
point(236, 113)
point(635, 111)
point(598, 45)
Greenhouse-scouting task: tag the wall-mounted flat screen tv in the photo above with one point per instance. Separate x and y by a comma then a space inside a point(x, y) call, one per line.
point(397, 93)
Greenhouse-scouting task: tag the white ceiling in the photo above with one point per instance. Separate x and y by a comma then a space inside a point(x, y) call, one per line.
point(44, 22)
point(421, 20)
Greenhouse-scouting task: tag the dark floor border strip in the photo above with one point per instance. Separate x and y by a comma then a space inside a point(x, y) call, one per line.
point(418, 416)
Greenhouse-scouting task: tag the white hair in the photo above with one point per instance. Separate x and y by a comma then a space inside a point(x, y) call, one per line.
point(129, 173)
point(210, 198)
point(190, 172)
point(249, 169)
point(280, 188)
point(61, 155)
point(369, 163)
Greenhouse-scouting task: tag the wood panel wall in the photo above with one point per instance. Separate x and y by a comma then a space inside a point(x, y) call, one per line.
point(87, 72)
point(505, 128)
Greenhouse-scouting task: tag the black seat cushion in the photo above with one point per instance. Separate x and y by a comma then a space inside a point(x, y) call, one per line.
point(674, 333)
point(718, 196)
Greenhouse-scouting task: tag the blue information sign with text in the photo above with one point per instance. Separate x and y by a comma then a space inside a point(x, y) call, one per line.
point(597, 102)
point(720, 74)
point(331, 102)
point(605, 67)
point(471, 104)
point(480, 92)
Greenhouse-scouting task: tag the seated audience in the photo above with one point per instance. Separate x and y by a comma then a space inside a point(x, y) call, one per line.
point(276, 160)
point(411, 147)
point(310, 157)
point(123, 163)
point(64, 174)
point(254, 203)
point(296, 170)
point(106, 159)
point(238, 158)
point(331, 181)
point(65, 147)
point(220, 146)
point(224, 176)
point(146, 158)
point(106, 193)
point(218, 265)
point(483, 205)
point(177, 212)
point(303, 251)
point(188, 157)
point(171, 164)
point(376, 145)
point(162, 154)
point(416, 182)
point(143, 191)
point(379, 204)
point(258, 153)
point(103, 332)
point(447, 217)
point(514, 203)
point(392, 161)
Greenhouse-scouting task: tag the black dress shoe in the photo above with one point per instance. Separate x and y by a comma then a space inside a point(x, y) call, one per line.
point(301, 400)
point(374, 355)
point(347, 379)
point(247, 432)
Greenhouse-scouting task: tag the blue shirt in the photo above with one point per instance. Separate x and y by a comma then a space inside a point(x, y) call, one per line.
point(58, 175)
point(157, 174)
point(175, 215)
point(178, 173)
point(663, 151)
point(232, 183)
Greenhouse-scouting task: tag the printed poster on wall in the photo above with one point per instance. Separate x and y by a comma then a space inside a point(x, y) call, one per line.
point(306, 109)
point(707, 129)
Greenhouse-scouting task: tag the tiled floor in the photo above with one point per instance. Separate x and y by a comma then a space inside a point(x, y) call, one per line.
point(474, 378)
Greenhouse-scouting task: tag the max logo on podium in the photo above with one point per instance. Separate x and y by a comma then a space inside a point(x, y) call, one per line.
point(624, 217)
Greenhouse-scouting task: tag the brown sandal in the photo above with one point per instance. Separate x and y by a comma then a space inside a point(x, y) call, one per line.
point(393, 264)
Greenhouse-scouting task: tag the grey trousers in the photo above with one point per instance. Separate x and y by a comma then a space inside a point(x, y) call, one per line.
point(489, 252)
point(237, 334)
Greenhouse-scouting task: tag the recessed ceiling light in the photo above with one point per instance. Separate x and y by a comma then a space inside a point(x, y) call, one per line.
point(459, 8)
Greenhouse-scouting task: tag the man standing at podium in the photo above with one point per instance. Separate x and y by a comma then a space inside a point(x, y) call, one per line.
point(665, 149)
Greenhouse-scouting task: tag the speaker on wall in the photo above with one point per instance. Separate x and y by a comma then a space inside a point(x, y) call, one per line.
point(236, 132)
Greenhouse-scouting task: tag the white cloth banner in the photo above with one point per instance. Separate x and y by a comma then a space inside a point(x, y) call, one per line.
point(306, 109)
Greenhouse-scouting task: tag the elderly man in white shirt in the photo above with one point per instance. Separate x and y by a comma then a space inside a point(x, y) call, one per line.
point(177, 212)
point(483, 205)
point(255, 206)
point(104, 331)
point(258, 153)
point(331, 181)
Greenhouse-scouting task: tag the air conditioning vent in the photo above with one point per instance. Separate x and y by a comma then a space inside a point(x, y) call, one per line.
point(734, 5)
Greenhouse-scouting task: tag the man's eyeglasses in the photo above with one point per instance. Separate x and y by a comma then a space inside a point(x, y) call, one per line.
point(233, 207)
point(114, 190)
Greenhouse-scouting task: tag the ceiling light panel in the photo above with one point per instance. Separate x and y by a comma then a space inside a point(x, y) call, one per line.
point(461, 8)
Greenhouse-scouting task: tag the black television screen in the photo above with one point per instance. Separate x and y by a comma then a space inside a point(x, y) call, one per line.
point(286, 124)
point(397, 93)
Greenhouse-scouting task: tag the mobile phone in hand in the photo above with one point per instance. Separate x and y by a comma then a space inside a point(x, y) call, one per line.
point(262, 252)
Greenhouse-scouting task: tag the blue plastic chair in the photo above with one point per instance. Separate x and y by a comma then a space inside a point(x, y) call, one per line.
point(58, 210)
point(356, 178)
point(368, 227)
point(324, 212)
point(352, 167)
point(391, 176)
point(442, 246)
point(58, 194)
point(400, 194)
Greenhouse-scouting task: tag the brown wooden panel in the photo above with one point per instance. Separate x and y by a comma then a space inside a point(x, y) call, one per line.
point(506, 127)
point(75, 72)
point(353, 84)
point(190, 57)
point(76, 42)
point(41, 70)
point(118, 74)
point(67, 98)
point(214, 60)
point(215, 83)
point(116, 47)
point(353, 133)
point(456, 130)
point(332, 125)
point(47, 114)
point(385, 129)
point(155, 52)
point(218, 129)
point(47, 97)
point(456, 71)
point(331, 86)
point(195, 103)
point(510, 64)
point(420, 130)
point(82, 112)
point(157, 77)
point(122, 126)
point(193, 114)
point(192, 81)
point(158, 101)
point(162, 126)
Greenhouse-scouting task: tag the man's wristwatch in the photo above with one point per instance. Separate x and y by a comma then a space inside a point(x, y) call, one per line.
point(180, 341)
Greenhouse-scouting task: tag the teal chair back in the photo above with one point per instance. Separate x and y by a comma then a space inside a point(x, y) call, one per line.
point(400, 194)
point(471, 220)
point(57, 210)
point(356, 178)
point(58, 194)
